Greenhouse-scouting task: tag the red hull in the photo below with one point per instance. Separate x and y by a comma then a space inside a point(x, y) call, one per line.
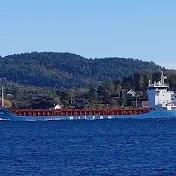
point(79, 112)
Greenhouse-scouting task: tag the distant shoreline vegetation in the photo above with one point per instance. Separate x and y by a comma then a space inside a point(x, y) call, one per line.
point(40, 80)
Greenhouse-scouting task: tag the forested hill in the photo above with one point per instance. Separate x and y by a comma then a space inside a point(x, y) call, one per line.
point(68, 70)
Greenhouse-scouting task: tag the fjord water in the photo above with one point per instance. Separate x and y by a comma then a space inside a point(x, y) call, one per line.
point(100, 147)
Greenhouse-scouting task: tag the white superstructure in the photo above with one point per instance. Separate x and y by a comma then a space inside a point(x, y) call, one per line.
point(159, 96)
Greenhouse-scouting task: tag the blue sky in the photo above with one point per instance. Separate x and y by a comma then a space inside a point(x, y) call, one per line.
point(140, 29)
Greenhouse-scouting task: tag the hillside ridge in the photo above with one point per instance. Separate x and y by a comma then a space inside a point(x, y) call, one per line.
point(59, 69)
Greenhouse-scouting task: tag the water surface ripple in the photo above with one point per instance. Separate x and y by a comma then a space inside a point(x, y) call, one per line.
point(100, 147)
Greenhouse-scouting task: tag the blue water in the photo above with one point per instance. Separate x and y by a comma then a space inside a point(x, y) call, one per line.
point(101, 147)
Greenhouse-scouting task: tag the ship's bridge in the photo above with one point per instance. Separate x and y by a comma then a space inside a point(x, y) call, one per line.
point(158, 85)
point(158, 93)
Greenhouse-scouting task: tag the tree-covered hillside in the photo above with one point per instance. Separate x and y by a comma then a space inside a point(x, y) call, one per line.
point(111, 93)
point(51, 69)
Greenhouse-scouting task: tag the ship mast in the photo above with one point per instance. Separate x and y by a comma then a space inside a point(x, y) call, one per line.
point(2, 97)
point(163, 78)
